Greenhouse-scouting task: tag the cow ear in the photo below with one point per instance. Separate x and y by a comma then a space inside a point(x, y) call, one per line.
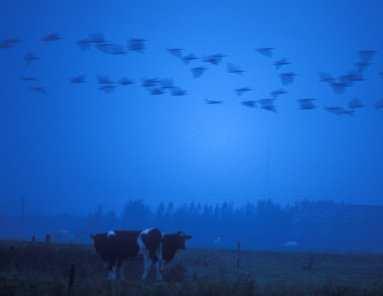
point(92, 236)
point(186, 236)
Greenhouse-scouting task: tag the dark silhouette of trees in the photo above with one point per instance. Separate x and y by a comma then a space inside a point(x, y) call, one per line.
point(306, 225)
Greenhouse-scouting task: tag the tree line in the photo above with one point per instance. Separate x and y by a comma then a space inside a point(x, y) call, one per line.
point(265, 224)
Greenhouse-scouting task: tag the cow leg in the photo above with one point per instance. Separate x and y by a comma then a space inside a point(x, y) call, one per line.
point(111, 270)
point(159, 263)
point(147, 266)
point(159, 270)
point(119, 270)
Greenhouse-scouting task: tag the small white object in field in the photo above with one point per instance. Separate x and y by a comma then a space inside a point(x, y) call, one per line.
point(291, 244)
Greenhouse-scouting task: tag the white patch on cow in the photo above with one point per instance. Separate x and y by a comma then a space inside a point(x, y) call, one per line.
point(144, 252)
point(148, 262)
point(147, 230)
point(141, 245)
point(110, 233)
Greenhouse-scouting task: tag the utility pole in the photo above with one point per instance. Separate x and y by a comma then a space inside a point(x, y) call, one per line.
point(22, 222)
point(238, 256)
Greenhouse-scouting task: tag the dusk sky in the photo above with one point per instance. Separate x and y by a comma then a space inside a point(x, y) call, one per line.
point(76, 147)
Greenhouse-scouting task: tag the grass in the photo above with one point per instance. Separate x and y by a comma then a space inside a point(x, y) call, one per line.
point(41, 269)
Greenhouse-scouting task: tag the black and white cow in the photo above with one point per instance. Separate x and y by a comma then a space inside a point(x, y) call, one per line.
point(115, 247)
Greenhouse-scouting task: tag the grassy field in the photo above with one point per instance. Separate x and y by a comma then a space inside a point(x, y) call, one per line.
point(40, 269)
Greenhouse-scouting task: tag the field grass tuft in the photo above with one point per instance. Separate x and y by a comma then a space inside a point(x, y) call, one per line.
point(39, 269)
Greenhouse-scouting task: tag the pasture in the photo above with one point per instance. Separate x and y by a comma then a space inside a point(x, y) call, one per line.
point(41, 269)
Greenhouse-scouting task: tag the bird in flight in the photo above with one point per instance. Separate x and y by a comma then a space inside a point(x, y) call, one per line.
point(280, 63)
point(198, 71)
point(107, 88)
point(355, 104)
point(276, 93)
point(106, 85)
point(213, 102)
point(104, 80)
point(324, 77)
point(4, 45)
point(96, 38)
point(339, 110)
point(28, 78)
point(268, 105)
point(137, 44)
point(287, 78)
point(38, 89)
point(12, 40)
point(379, 104)
point(352, 77)
point(189, 58)
point(149, 82)
point(231, 68)
point(214, 59)
point(78, 79)
point(111, 48)
point(30, 57)
point(240, 91)
point(306, 104)
point(249, 103)
point(338, 87)
point(367, 55)
point(340, 83)
point(362, 66)
point(125, 81)
point(166, 84)
point(177, 52)
point(156, 91)
point(8, 43)
point(266, 51)
point(51, 37)
point(178, 92)
point(92, 39)
point(84, 43)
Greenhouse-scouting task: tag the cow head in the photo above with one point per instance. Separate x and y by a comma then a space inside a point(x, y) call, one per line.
point(181, 239)
point(97, 238)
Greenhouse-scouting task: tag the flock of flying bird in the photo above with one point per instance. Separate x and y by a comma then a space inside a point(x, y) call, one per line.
point(156, 86)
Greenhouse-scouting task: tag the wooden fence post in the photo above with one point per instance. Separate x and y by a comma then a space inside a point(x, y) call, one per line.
point(238, 255)
point(71, 278)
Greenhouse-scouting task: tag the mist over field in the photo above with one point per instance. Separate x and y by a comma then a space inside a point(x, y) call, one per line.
point(303, 226)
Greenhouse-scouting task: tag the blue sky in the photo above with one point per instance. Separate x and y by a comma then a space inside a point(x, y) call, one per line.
point(76, 147)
